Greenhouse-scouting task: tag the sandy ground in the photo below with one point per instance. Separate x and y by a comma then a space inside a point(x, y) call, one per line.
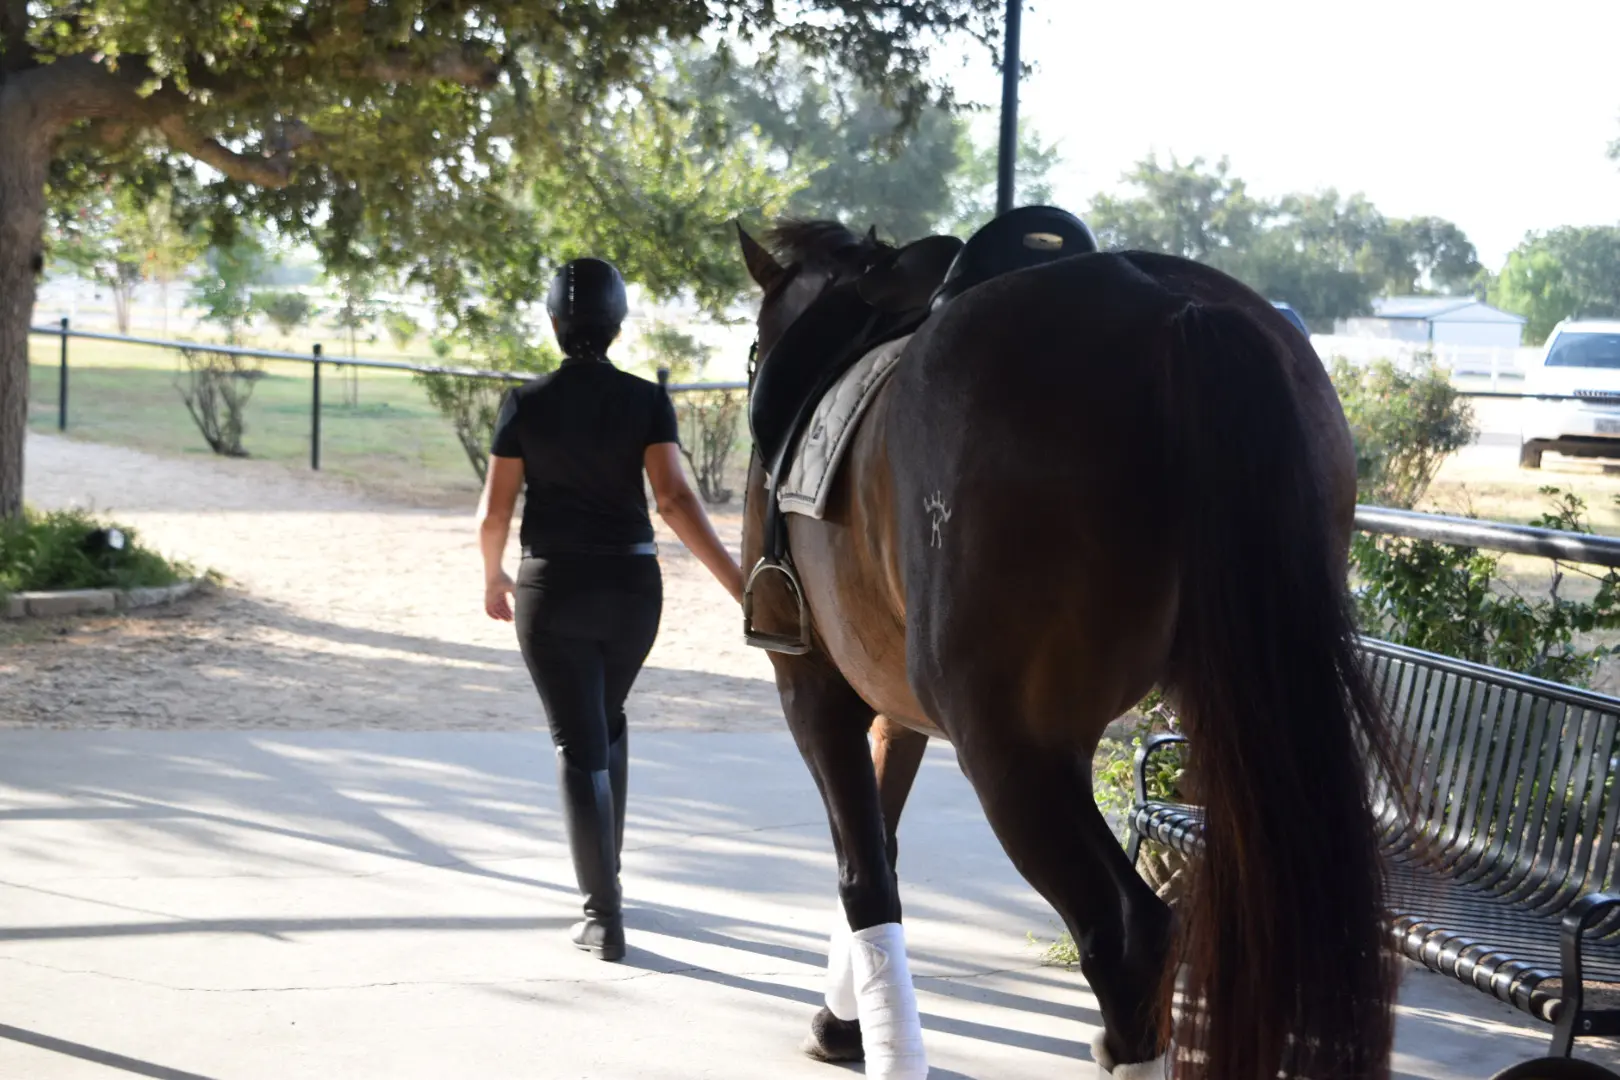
point(340, 611)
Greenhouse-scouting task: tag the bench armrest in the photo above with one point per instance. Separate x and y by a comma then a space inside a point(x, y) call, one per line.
point(1150, 746)
point(1582, 915)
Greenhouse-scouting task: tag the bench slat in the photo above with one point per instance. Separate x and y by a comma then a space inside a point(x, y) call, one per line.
point(1512, 818)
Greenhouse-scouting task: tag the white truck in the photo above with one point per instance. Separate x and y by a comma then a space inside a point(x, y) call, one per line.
point(1581, 361)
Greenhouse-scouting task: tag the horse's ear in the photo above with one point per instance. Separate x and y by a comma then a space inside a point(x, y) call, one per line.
point(871, 236)
point(761, 266)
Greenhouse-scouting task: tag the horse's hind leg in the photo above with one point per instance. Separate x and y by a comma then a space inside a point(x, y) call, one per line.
point(867, 968)
point(1039, 802)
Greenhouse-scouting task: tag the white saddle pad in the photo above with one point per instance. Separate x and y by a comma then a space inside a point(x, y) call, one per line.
point(822, 447)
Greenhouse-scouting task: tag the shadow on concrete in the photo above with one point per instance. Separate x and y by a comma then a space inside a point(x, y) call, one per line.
point(95, 1055)
point(281, 929)
point(812, 999)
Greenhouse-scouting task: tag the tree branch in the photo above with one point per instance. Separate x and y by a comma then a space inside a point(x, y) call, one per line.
point(55, 95)
point(272, 171)
point(467, 66)
point(14, 37)
point(78, 88)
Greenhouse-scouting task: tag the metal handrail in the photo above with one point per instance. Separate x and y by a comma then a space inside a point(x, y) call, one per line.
point(1490, 535)
point(272, 354)
point(315, 358)
point(310, 358)
point(1440, 528)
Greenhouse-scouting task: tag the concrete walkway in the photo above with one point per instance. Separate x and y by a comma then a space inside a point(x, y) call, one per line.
point(392, 905)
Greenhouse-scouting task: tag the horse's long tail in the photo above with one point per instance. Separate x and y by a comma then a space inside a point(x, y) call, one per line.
point(1282, 924)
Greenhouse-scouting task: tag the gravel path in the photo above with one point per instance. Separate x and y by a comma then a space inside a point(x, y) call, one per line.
point(341, 611)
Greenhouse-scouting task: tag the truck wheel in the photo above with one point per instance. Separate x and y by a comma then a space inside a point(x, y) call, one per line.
point(1530, 454)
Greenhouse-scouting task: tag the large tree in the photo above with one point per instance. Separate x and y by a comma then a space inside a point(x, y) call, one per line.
point(1566, 273)
point(387, 120)
point(857, 161)
point(1325, 253)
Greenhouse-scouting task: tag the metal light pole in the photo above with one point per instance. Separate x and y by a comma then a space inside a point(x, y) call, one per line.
point(1010, 68)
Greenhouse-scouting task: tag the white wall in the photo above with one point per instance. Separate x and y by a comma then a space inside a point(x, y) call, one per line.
point(1383, 329)
point(1490, 335)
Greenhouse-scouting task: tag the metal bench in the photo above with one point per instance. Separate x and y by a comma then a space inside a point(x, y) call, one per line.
point(1500, 866)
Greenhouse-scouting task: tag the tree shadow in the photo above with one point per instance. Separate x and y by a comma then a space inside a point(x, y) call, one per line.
point(95, 1055)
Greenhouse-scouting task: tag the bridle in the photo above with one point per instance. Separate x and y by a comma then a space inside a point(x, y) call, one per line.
point(780, 286)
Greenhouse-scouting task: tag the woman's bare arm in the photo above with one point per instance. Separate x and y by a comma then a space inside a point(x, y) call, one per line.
point(501, 486)
point(678, 505)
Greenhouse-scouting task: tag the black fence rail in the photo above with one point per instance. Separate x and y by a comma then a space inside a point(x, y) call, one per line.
point(1466, 532)
point(317, 360)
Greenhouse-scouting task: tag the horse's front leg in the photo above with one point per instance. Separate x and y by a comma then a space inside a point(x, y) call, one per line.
point(869, 990)
point(897, 754)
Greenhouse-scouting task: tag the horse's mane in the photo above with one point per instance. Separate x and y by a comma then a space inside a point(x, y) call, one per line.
point(820, 245)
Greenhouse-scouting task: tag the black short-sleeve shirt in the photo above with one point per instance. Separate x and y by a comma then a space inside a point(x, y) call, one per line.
point(582, 432)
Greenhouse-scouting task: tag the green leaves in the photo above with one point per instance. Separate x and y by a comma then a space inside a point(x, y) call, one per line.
point(58, 550)
point(224, 290)
point(1566, 273)
point(1454, 601)
point(1405, 420)
point(1324, 253)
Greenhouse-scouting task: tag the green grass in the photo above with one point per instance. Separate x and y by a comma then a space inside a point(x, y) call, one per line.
point(377, 429)
point(68, 549)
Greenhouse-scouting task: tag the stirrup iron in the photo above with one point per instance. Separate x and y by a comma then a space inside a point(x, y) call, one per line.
point(783, 643)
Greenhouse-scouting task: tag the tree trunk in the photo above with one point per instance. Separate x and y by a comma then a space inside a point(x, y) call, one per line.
point(122, 295)
point(23, 165)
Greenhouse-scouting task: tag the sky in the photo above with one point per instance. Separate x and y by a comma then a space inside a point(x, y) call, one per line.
point(1496, 117)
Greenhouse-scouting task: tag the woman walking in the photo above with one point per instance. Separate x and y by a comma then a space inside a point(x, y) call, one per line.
point(588, 595)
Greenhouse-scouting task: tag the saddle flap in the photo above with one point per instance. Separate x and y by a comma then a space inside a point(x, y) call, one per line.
point(796, 365)
point(906, 279)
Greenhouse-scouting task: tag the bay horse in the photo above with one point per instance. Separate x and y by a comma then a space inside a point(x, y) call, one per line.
point(1086, 479)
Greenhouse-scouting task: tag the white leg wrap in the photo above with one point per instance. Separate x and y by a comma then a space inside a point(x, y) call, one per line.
point(840, 973)
point(1157, 1069)
point(891, 1030)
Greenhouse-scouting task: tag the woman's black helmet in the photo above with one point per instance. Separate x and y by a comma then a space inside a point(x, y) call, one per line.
point(587, 292)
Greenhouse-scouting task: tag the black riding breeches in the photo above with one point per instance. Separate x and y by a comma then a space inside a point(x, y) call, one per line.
point(585, 624)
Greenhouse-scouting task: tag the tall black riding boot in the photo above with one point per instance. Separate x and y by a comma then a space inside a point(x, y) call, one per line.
point(588, 813)
point(619, 774)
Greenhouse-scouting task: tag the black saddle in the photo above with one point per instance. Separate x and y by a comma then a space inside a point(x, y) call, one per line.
point(888, 301)
point(1021, 238)
point(894, 297)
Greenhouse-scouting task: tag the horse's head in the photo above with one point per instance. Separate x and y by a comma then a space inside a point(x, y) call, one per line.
point(810, 258)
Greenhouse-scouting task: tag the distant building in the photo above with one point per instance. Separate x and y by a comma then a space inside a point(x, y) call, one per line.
point(1437, 320)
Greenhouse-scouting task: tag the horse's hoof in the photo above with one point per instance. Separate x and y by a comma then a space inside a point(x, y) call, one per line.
point(834, 1040)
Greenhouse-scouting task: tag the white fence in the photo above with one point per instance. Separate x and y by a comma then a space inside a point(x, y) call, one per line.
point(1479, 361)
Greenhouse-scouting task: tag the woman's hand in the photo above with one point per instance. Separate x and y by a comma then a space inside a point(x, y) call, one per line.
point(498, 597)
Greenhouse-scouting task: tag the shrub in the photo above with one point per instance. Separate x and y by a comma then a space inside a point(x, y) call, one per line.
point(473, 404)
point(287, 310)
point(1453, 601)
point(223, 291)
point(402, 329)
point(68, 549)
point(216, 388)
point(1405, 421)
point(709, 419)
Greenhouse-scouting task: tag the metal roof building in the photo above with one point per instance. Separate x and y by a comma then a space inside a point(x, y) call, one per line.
point(1440, 320)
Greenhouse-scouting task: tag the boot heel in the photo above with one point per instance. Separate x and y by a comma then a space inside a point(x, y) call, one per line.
point(602, 939)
